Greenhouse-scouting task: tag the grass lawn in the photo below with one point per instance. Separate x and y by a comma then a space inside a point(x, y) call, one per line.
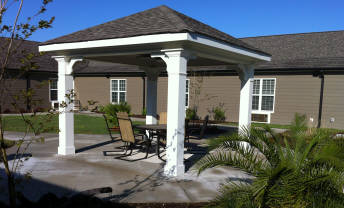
point(83, 124)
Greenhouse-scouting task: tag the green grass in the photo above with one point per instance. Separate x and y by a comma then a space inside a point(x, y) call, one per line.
point(83, 124)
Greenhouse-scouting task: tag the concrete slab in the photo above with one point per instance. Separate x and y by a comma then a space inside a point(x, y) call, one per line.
point(95, 166)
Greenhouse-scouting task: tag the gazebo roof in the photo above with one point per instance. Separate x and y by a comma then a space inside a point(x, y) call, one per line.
point(159, 20)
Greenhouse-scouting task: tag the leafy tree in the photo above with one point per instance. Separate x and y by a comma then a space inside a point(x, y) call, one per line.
point(301, 168)
point(13, 35)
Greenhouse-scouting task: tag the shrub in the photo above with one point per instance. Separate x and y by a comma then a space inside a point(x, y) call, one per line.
point(219, 113)
point(110, 111)
point(191, 114)
point(144, 111)
point(308, 174)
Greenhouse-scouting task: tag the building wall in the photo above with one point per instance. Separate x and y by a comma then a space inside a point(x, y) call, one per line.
point(294, 94)
point(333, 105)
point(40, 84)
point(98, 89)
point(14, 87)
point(213, 91)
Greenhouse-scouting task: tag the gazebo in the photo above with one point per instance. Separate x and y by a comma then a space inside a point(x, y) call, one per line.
point(156, 39)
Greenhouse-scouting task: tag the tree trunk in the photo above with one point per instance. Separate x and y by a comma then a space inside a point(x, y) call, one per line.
point(10, 179)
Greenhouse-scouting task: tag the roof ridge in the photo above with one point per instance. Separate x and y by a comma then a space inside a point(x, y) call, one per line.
point(176, 15)
point(167, 11)
point(292, 34)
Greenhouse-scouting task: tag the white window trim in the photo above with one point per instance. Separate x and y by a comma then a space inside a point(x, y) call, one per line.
point(52, 89)
point(126, 90)
point(187, 93)
point(259, 111)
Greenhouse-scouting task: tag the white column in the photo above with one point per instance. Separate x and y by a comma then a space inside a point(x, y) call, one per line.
point(66, 116)
point(176, 62)
point(246, 75)
point(152, 94)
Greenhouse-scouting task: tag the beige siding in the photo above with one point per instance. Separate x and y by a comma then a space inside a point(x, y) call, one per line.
point(162, 94)
point(213, 91)
point(98, 89)
point(40, 86)
point(14, 88)
point(296, 94)
point(333, 105)
point(10, 88)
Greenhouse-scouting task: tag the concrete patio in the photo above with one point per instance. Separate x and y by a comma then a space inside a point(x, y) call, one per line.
point(95, 166)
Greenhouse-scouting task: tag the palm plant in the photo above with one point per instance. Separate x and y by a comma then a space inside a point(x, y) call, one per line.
point(301, 168)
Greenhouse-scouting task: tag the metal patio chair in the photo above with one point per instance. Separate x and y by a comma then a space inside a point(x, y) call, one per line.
point(128, 136)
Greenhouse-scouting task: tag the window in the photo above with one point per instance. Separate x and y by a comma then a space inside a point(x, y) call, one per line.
point(187, 93)
point(118, 90)
point(263, 95)
point(53, 90)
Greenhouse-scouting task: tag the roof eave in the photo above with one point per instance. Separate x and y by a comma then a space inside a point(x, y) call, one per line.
point(157, 39)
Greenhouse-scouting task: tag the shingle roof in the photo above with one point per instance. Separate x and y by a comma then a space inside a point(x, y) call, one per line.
point(158, 20)
point(303, 50)
point(44, 62)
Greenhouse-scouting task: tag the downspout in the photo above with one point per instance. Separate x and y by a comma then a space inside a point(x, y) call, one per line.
point(322, 80)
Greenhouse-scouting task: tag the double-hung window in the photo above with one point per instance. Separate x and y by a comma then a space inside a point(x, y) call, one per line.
point(263, 97)
point(187, 93)
point(118, 90)
point(53, 90)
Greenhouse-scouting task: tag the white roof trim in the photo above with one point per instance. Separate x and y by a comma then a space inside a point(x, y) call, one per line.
point(221, 45)
point(149, 39)
point(143, 39)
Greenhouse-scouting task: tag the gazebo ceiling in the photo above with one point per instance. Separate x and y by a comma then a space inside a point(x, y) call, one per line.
point(132, 39)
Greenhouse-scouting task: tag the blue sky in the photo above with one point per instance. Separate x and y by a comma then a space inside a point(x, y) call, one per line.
point(239, 18)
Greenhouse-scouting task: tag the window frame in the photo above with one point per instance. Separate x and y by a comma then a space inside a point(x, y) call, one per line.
point(260, 95)
point(187, 93)
point(57, 92)
point(119, 91)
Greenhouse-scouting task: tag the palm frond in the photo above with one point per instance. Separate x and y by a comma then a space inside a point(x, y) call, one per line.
point(251, 163)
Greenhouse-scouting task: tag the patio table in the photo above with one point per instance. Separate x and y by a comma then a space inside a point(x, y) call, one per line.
point(154, 130)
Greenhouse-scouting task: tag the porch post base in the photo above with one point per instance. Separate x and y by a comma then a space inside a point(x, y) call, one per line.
point(178, 170)
point(66, 150)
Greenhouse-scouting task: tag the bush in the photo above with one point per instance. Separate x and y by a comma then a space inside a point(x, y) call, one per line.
point(307, 174)
point(144, 112)
point(110, 111)
point(219, 113)
point(191, 114)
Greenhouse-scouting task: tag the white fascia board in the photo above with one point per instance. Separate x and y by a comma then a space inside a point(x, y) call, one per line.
point(217, 44)
point(149, 39)
point(144, 39)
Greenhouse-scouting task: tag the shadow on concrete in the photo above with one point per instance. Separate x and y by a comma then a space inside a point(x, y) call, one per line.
point(83, 149)
point(198, 150)
point(18, 156)
point(150, 182)
point(31, 190)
